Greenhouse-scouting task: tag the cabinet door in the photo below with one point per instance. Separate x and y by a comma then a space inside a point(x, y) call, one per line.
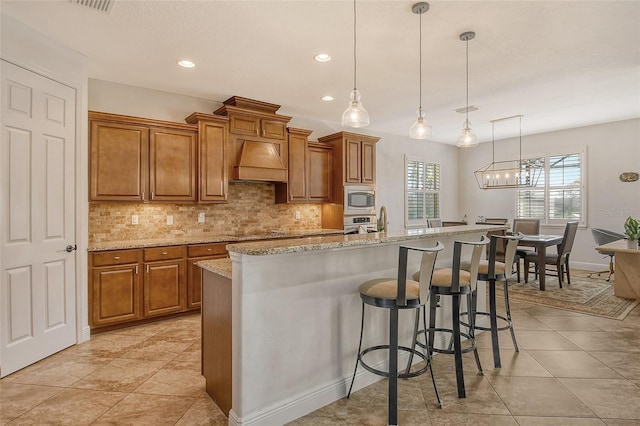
point(273, 129)
point(244, 125)
point(213, 172)
point(164, 288)
point(194, 281)
point(297, 163)
point(368, 162)
point(353, 161)
point(172, 165)
point(319, 173)
point(118, 161)
point(115, 295)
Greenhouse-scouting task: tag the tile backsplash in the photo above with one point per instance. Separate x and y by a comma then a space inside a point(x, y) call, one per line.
point(251, 210)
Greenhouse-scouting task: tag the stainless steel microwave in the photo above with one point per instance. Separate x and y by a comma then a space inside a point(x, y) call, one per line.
point(359, 200)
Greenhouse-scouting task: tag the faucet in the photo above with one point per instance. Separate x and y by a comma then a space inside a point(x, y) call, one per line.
point(382, 221)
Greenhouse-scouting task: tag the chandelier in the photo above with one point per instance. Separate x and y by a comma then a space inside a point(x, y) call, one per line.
point(510, 173)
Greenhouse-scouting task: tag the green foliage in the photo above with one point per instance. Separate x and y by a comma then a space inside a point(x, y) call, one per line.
point(631, 226)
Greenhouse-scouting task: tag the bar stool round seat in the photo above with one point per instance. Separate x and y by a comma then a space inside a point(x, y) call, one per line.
point(394, 294)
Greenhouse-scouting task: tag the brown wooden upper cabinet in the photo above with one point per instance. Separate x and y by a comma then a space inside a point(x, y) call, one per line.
point(256, 126)
point(213, 181)
point(309, 170)
point(354, 161)
point(138, 159)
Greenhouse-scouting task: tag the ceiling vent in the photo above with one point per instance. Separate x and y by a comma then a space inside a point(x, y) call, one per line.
point(101, 5)
point(466, 109)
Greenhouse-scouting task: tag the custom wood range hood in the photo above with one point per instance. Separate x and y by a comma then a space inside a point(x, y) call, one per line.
point(257, 139)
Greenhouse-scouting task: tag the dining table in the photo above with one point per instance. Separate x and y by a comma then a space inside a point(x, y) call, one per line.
point(540, 243)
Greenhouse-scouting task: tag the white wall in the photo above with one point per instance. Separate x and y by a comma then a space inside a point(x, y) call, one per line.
point(612, 148)
point(117, 98)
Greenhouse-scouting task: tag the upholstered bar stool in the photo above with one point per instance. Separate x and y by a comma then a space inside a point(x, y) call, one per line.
point(490, 271)
point(399, 293)
point(455, 283)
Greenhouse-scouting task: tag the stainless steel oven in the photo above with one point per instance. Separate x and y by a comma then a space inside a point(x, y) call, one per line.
point(359, 200)
point(360, 224)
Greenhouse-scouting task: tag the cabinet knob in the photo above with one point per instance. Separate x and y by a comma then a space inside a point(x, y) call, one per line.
point(164, 253)
point(209, 249)
point(116, 257)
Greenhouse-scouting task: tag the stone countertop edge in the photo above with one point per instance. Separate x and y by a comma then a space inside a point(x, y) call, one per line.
point(218, 266)
point(271, 247)
point(134, 244)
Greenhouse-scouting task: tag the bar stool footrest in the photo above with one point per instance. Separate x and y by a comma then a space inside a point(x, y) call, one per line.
point(386, 373)
point(508, 326)
point(448, 351)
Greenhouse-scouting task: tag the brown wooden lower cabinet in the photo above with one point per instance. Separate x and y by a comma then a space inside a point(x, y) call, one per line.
point(131, 286)
point(216, 338)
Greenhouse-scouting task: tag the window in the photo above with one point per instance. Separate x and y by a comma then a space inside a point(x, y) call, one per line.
point(559, 195)
point(422, 192)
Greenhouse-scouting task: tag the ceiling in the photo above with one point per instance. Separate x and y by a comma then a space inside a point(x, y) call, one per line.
point(561, 64)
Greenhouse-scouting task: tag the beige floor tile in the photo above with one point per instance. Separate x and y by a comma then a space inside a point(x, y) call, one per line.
point(17, 399)
point(599, 341)
point(620, 422)
point(181, 382)
point(203, 412)
point(538, 396)
point(626, 364)
point(442, 418)
point(182, 334)
point(573, 364)
point(120, 375)
point(70, 407)
point(60, 370)
point(155, 348)
point(141, 409)
point(544, 340)
point(409, 395)
point(557, 421)
point(105, 346)
point(563, 322)
point(527, 322)
point(512, 364)
point(608, 398)
point(607, 324)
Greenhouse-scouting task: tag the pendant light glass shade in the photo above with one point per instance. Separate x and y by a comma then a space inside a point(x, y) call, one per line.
point(355, 115)
point(420, 129)
point(467, 138)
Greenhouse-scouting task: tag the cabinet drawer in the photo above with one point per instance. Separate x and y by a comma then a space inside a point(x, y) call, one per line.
point(119, 257)
point(163, 253)
point(207, 250)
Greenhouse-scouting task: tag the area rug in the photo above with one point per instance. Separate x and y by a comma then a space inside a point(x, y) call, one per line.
point(593, 296)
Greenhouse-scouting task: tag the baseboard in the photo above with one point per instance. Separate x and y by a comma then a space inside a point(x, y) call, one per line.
point(85, 334)
point(305, 403)
point(586, 266)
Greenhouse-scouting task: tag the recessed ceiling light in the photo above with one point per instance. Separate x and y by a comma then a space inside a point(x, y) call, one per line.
point(186, 63)
point(322, 57)
point(327, 98)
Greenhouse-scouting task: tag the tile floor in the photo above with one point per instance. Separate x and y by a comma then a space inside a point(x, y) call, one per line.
point(572, 369)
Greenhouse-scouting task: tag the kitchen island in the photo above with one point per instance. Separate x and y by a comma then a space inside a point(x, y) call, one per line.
point(295, 316)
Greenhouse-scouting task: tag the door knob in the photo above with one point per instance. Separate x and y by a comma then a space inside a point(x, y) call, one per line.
point(71, 248)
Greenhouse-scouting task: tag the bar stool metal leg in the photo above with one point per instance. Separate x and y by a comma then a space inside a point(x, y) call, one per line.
point(508, 310)
point(359, 349)
point(472, 333)
point(494, 323)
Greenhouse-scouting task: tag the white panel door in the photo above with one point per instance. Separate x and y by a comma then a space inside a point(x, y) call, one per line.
point(37, 218)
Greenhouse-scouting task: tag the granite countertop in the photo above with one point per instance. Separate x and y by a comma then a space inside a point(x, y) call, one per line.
point(160, 242)
point(260, 248)
point(218, 266)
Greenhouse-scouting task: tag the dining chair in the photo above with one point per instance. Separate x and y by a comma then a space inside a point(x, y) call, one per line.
point(453, 223)
point(560, 260)
point(496, 220)
point(434, 223)
point(527, 227)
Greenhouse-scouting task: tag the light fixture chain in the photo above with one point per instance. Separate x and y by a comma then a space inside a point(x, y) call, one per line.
point(355, 63)
point(467, 115)
point(420, 67)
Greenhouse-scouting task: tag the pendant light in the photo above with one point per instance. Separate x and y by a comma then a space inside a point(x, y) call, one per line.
point(421, 129)
point(467, 138)
point(355, 115)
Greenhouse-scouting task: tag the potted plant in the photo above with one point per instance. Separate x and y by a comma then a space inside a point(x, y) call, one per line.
point(632, 232)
